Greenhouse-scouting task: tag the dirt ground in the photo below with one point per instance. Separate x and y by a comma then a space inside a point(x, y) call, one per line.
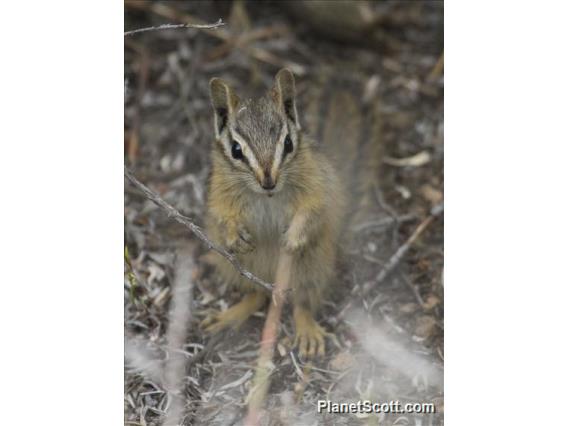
point(391, 341)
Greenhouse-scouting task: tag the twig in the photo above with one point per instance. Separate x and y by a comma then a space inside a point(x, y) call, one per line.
point(399, 253)
point(203, 353)
point(130, 275)
point(300, 387)
point(396, 257)
point(243, 40)
point(437, 70)
point(413, 288)
point(386, 207)
point(255, 52)
point(270, 331)
point(196, 230)
point(217, 24)
point(143, 73)
point(387, 221)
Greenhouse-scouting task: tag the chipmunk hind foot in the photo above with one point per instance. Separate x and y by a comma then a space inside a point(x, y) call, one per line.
point(310, 336)
point(236, 315)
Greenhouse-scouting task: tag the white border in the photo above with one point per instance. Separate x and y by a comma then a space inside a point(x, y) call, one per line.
point(61, 177)
point(506, 209)
point(61, 91)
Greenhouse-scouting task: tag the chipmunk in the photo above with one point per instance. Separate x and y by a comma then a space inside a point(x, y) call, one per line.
point(272, 186)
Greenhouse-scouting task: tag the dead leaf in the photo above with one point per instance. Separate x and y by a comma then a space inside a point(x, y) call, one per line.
point(430, 302)
point(431, 194)
point(162, 296)
point(403, 191)
point(342, 361)
point(416, 160)
point(371, 89)
point(425, 326)
point(281, 350)
point(156, 273)
point(245, 378)
point(408, 308)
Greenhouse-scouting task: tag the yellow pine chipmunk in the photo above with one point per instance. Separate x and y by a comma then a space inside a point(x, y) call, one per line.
point(271, 186)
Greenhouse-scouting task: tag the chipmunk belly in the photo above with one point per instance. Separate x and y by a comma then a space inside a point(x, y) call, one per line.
point(267, 220)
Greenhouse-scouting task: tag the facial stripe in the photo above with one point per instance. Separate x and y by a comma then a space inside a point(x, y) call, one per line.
point(247, 152)
point(278, 157)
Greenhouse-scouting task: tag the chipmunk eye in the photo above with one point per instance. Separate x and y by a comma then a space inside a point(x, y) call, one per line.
point(288, 145)
point(236, 151)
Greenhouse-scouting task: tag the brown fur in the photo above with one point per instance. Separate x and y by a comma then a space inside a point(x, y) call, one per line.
point(306, 211)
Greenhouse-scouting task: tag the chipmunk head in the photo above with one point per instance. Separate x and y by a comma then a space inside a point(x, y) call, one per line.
point(258, 138)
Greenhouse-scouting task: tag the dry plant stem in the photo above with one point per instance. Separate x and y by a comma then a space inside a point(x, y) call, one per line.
point(256, 52)
point(387, 221)
point(217, 24)
point(301, 386)
point(179, 318)
point(143, 73)
point(196, 230)
point(438, 68)
point(261, 380)
point(396, 257)
point(243, 40)
point(402, 250)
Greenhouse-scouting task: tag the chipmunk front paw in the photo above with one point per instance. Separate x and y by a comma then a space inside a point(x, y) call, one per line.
point(240, 241)
point(294, 241)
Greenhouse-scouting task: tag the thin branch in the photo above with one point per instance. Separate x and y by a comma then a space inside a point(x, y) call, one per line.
point(414, 290)
point(391, 212)
point(257, 53)
point(245, 39)
point(261, 381)
point(437, 70)
point(401, 251)
point(217, 24)
point(196, 230)
point(395, 259)
point(386, 221)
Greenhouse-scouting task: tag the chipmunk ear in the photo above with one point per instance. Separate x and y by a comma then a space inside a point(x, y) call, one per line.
point(285, 93)
point(224, 101)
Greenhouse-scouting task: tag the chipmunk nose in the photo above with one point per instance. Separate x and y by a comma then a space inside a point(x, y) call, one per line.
point(267, 182)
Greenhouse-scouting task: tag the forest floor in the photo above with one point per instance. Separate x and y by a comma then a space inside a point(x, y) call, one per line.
point(391, 342)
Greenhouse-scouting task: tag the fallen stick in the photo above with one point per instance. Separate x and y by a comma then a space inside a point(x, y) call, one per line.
point(395, 259)
point(401, 251)
point(179, 317)
point(196, 230)
point(261, 380)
